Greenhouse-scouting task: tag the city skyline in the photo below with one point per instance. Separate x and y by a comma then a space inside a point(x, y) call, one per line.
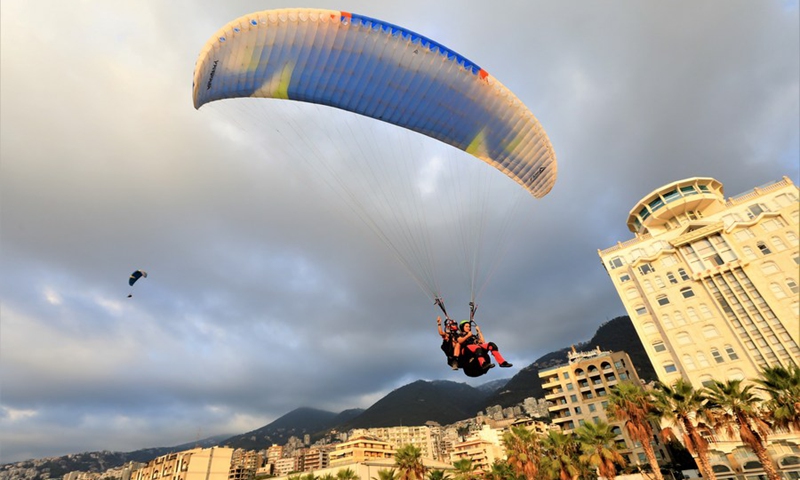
point(263, 293)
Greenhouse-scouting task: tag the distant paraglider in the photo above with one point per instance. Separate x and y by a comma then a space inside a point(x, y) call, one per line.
point(134, 277)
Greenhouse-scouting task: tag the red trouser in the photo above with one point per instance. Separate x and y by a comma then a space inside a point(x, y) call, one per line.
point(486, 346)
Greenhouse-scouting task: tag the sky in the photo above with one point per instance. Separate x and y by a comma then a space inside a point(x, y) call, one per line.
point(265, 293)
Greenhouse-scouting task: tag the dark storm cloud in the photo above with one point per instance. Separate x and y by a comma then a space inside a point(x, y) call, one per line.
point(264, 292)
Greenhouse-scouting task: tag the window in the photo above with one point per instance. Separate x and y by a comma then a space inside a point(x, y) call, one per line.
point(687, 292)
point(743, 234)
point(679, 320)
point(692, 314)
point(566, 375)
point(683, 338)
point(624, 278)
point(660, 282)
point(666, 321)
point(662, 300)
point(731, 353)
point(748, 252)
point(615, 262)
point(592, 407)
point(706, 311)
point(646, 268)
point(671, 278)
point(769, 268)
point(735, 374)
point(716, 355)
point(756, 209)
point(641, 310)
point(631, 293)
point(688, 362)
point(777, 290)
point(670, 368)
point(778, 243)
point(649, 328)
point(763, 247)
point(659, 346)
point(772, 224)
point(792, 285)
point(570, 386)
point(669, 260)
point(702, 360)
point(578, 410)
point(710, 331)
point(683, 274)
point(792, 237)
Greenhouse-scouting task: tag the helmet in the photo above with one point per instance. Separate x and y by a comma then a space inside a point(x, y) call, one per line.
point(462, 323)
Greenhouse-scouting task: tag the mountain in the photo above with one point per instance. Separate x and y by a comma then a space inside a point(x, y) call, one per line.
point(298, 422)
point(617, 334)
point(440, 401)
point(493, 385)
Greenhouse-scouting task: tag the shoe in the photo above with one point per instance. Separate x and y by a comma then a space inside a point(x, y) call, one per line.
point(506, 365)
point(454, 365)
point(491, 365)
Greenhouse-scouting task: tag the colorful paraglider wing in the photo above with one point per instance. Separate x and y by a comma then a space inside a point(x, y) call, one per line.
point(136, 276)
point(379, 70)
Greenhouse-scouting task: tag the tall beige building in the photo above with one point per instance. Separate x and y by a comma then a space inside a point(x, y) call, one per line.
point(711, 284)
point(577, 392)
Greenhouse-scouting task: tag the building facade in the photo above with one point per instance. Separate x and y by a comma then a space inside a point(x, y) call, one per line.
point(577, 392)
point(711, 285)
point(196, 464)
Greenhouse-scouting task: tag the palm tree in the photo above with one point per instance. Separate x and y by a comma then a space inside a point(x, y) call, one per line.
point(559, 456)
point(596, 441)
point(309, 476)
point(435, 474)
point(391, 474)
point(523, 452)
point(630, 403)
point(734, 408)
point(501, 470)
point(464, 469)
point(347, 474)
point(408, 460)
point(782, 384)
point(326, 476)
point(679, 405)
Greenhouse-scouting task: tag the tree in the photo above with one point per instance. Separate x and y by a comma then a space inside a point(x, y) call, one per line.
point(630, 403)
point(327, 476)
point(408, 460)
point(679, 404)
point(391, 474)
point(435, 474)
point(464, 469)
point(523, 452)
point(501, 470)
point(309, 476)
point(347, 474)
point(596, 441)
point(735, 409)
point(782, 384)
point(559, 458)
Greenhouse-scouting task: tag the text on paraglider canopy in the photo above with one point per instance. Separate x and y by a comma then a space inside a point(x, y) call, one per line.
point(211, 75)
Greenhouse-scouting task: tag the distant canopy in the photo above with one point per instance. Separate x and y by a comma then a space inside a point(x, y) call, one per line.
point(382, 71)
point(136, 276)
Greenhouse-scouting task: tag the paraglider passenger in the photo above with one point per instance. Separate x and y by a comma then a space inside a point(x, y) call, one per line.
point(449, 335)
point(472, 343)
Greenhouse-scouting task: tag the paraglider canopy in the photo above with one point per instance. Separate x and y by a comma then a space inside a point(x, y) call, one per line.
point(136, 276)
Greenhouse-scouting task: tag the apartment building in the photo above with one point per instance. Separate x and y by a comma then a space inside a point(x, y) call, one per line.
point(482, 448)
point(196, 464)
point(360, 449)
point(710, 284)
point(422, 437)
point(578, 390)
